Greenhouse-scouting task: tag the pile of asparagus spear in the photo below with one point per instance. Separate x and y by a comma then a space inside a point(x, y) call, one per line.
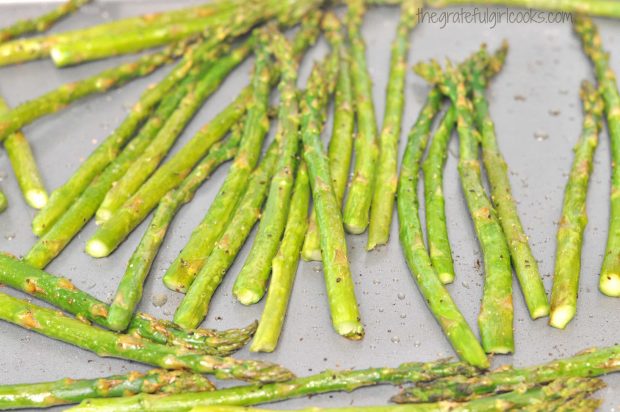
point(302, 199)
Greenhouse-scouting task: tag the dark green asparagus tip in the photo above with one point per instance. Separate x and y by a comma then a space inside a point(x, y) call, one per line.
point(429, 71)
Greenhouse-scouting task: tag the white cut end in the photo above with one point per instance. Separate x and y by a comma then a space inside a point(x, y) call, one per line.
point(446, 278)
point(354, 229)
point(501, 350)
point(97, 249)
point(102, 216)
point(36, 198)
point(540, 312)
point(247, 297)
point(57, 57)
point(313, 255)
point(350, 330)
point(561, 315)
point(610, 284)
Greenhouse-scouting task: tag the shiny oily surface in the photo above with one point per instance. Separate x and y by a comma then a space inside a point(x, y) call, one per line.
point(535, 104)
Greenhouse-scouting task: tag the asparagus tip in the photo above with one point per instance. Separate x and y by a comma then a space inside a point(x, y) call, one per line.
point(561, 315)
point(610, 284)
point(97, 249)
point(36, 198)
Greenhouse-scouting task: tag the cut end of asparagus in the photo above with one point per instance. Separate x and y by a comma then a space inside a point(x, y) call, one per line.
point(262, 346)
point(561, 315)
point(610, 284)
point(102, 216)
point(446, 277)
point(350, 330)
point(174, 286)
point(355, 228)
point(36, 198)
point(372, 244)
point(311, 255)
point(540, 312)
point(247, 297)
point(58, 57)
point(499, 350)
point(97, 249)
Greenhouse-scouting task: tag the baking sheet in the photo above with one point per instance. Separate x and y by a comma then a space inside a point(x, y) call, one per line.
point(535, 104)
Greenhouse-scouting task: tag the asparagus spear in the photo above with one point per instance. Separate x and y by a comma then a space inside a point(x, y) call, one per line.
point(434, 205)
point(183, 269)
point(195, 305)
point(61, 293)
point(129, 291)
point(211, 26)
point(359, 198)
point(284, 267)
point(24, 166)
point(4, 203)
point(602, 8)
point(339, 150)
point(496, 312)
point(574, 217)
point(562, 390)
point(437, 297)
point(83, 209)
point(58, 99)
point(208, 80)
point(105, 343)
point(497, 171)
point(67, 391)
point(328, 381)
point(22, 50)
point(387, 166)
point(251, 281)
point(62, 197)
point(593, 47)
point(594, 362)
point(170, 174)
point(339, 285)
point(41, 23)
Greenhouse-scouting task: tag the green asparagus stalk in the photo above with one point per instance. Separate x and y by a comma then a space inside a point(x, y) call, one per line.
point(574, 217)
point(4, 203)
point(41, 23)
point(27, 49)
point(594, 362)
point(211, 26)
point(105, 343)
point(129, 291)
point(328, 381)
point(58, 99)
point(434, 204)
point(183, 269)
point(67, 391)
point(62, 197)
point(496, 312)
point(523, 260)
point(387, 165)
point(251, 281)
point(339, 150)
point(338, 281)
point(602, 8)
point(562, 390)
point(284, 267)
point(84, 208)
point(359, 198)
point(195, 305)
point(208, 81)
point(24, 166)
point(593, 47)
point(170, 174)
point(437, 297)
point(61, 293)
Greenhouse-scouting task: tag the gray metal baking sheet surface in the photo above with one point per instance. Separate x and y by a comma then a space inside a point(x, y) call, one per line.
point(536, 108)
